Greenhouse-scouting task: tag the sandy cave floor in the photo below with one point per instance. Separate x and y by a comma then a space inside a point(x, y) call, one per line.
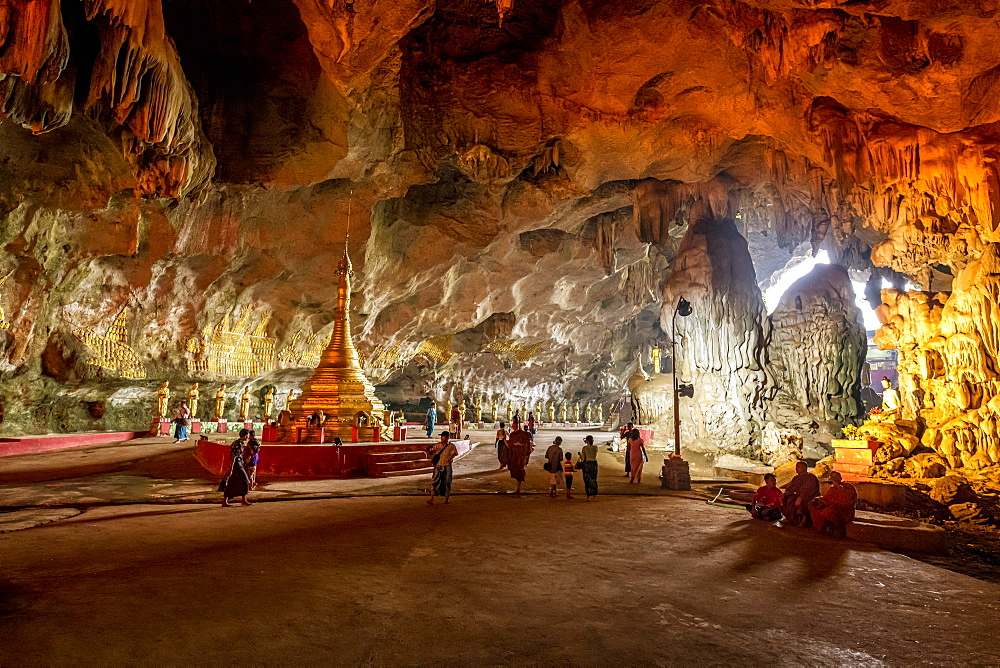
point(364, 572)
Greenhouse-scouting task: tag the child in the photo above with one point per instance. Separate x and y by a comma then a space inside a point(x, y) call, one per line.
point(766, 504)
point(568, 468)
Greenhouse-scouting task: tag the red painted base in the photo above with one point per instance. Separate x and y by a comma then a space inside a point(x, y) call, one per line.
point(349, 460)
point(29, 444)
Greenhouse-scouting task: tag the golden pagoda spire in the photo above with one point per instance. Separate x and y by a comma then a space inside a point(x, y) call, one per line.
point(338, 387)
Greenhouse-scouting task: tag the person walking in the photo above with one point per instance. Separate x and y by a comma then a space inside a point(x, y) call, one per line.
point(519, 447)
point(181, 430)
point(430, 419)
point(502, 446)
point(531, 424)
point(588, 464)
point(237, 482)
point(444, 455)
point(251, 456)
point(553, 465)
point(637, 455)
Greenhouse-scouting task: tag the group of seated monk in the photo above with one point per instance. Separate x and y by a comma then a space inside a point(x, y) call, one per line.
point(800, 503)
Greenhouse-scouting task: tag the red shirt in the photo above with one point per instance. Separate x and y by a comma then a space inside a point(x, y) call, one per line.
point(768, 497)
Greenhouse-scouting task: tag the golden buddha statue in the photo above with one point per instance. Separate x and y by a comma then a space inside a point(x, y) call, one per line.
point(220, 402)
point(338, 386)
point(562, 412)
point(589, 412)
point(163, 400)
point(656, 359)
point(193, 395)
point(552, 411)
point(479, 411)
point(268, 403)
point(510, 412)
point(576, 412)
point(245, 403)
point(493, 410)
point(289, 398)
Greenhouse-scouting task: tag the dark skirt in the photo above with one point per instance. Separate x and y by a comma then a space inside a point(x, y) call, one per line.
point(238, 482)
point(590, 477)
point(442, 481)
point(502, 452)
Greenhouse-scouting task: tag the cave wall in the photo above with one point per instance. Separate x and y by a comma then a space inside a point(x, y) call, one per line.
point(194, 160)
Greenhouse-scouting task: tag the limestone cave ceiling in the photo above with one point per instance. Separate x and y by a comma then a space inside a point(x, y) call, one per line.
point(520, 177)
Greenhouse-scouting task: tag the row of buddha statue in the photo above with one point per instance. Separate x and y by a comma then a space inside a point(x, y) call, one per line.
point(193, 401)
point(542, 411)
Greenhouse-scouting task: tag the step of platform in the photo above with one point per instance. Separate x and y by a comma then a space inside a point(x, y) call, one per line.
point(392, 474)
point(402, 455)
point(398, 462)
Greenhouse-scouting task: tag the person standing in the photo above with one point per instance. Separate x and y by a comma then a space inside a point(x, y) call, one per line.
point(515, 423)
point(637, 455)
point(456, 420)
point(568, 470)
point(444, 455)
point(531, 424)
point(519, 447)
point(502, 446)
point(430, 419)
point(588, 464)
point(237, 482)
point(181, 431)
point(625, 434)
point(553, 464)
point(251, 455)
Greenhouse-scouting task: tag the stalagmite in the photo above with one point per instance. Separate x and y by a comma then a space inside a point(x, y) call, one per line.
point(816, 351)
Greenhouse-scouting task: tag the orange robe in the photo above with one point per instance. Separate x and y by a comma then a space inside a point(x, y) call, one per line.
point(836, 507)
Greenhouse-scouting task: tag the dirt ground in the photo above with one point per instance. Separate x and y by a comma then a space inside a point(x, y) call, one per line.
point(377, 577)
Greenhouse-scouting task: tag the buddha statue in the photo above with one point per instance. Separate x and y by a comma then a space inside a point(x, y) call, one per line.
point(193, 395)
point(245, 403)
point(163, 400)
point(268, 403)
point(220, 402)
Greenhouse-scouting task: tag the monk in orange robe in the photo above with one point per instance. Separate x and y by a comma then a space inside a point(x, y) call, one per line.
point(802, 489)
point(836, 507)
point(519, 447)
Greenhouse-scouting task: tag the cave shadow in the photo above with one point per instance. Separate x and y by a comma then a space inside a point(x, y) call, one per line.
point(817, 557)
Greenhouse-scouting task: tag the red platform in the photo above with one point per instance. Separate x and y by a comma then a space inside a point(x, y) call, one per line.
point(327, 460)
point(21, 445)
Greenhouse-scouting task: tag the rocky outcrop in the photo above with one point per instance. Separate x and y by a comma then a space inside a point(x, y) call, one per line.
point(722, 345)
point(817, 348)
point(520, 176)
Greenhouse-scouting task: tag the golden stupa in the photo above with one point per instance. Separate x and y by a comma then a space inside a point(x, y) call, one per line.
point(338, 387)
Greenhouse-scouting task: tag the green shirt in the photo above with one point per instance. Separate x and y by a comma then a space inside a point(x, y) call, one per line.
point(589, 453)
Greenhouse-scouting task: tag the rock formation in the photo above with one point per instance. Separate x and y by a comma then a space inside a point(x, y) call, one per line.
point(520, 176)
point(722, 344)
point(816, 351)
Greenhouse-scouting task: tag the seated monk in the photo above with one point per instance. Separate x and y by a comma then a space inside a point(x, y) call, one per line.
point(835, 508)
point(802, 489)
point(766, 503)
